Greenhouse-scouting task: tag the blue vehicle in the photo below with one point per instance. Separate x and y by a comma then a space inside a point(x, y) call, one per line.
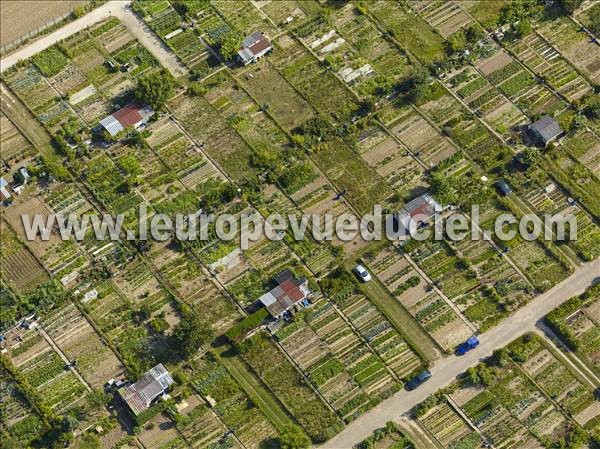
point(419, 379)
point(471, 343)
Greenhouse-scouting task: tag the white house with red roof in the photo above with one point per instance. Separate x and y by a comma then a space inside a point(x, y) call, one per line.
point(289, 293)
point(133, 115)
point(253, 48)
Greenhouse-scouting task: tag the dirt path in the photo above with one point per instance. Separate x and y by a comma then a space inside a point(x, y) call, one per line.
point(445, 371)
point(113, 8)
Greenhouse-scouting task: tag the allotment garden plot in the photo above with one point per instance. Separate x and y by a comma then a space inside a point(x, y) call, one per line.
point(19, 267)
point(424, 304)
point(209, 378)
point(78, 340)
point(344, 370)
point(518, 84)
point(21, 424)
point(45, 371)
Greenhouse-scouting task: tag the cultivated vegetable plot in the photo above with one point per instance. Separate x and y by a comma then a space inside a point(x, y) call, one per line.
point(268, 87)
point(195, 288)
point(313, 194)
point(391, 160)
point(212, 131)
point(369, 44)
point(380, 334)
point(317, 257)
point(245, 17)
point(585, 147)
point(169, 26)
point(312, 80)
point(481, 96)
point(107, 182)
point(538, 263)
point(21, 425)
point(15, 147)
point(246, 118)
point(199, 425)
point(336, 361)
point(280, 10)
point(412, 32)
point(446, 17)
point(181, 155)
point(418, 135)
point(37, 94)
point(20, 268)
point(503, 71)
point(290, 387)
point(346, 170)
point(573, 43)
point(425, 305)
point(447, 426)
point(235, 408)
point(552, 200)
point(546, 62)
point(127, 331)
point(577, 323)
point(45, 371)
point(74, 335)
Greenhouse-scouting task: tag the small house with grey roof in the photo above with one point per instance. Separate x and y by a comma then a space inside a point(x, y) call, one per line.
point(153, 384)
point(545, 130)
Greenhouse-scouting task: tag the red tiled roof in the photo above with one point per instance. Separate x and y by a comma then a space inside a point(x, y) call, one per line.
point(129, 115)
point(259, 45)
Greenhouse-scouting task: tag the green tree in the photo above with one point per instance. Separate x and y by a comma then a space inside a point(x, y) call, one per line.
point(456, 42)
point(293, 437)
point(155, 88)
point(531, 156)
point(443, 189)
point(579, 122)
point(190, 334)
point(523, 28)
point(591, 107)
point(474, 33)
point(230, 45)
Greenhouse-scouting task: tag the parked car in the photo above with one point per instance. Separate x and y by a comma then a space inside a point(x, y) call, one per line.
point(362, 273)
point(419, 379)
point(465, 347)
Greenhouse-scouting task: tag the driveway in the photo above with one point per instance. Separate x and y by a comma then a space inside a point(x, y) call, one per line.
point(445, 371)
point(113, 8)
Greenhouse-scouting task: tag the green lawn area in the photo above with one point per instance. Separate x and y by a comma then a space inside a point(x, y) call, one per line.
point(487, 12)
point(254, 388)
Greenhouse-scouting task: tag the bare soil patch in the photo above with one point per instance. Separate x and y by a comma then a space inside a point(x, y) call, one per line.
point(20, 17)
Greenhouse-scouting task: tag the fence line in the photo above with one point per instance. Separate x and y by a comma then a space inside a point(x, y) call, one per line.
point(33, 33)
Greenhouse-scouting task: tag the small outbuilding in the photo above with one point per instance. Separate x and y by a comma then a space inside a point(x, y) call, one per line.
point(289, 293)
point(503, 187)
point(545, 130)
point(416, 213)
point(253, 48)
point(134, 115)
point(4, 193)
point(153, 384)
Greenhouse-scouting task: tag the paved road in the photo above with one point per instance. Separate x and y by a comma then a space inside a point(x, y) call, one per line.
point(115, 8)
point(445, 371)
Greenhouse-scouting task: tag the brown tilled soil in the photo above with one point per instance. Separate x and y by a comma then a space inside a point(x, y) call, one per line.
point(18, 17)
